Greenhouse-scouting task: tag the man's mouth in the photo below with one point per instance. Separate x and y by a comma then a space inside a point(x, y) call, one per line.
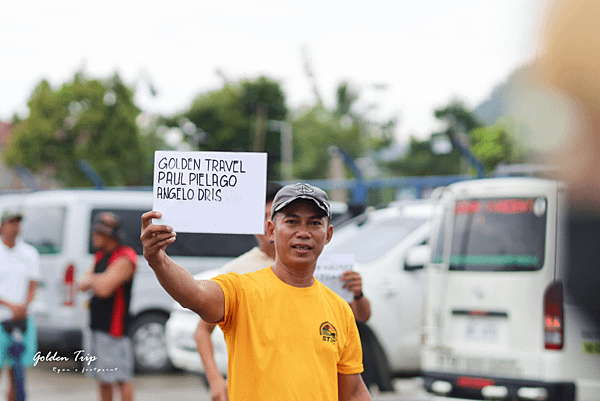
point(302, 247)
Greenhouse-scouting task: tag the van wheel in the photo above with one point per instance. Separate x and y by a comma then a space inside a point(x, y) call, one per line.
point(149, 343)
point(376, 367)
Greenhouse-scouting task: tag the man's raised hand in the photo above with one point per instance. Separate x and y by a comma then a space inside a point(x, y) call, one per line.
point(155, 238)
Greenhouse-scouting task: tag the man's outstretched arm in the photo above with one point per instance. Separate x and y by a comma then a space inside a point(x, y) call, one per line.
point(204, 297)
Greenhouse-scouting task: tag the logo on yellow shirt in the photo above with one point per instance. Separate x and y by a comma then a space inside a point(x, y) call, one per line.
point(328, 332)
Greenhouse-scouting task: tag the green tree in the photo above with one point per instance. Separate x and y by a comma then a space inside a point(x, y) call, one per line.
point(236, 117)
point(491, 145)
point(421, 161)
point(86, 119)
point(317, 129)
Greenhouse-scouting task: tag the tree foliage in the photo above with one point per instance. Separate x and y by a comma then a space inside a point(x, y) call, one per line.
point(491, 144)
point(315, 131)
point(236, 117)
point(421, 161)
point(85, 119)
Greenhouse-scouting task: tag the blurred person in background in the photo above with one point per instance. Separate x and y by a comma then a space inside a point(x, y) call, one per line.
point(19, 273)
point(561, 108)
point(258, 258)
point(110, 280)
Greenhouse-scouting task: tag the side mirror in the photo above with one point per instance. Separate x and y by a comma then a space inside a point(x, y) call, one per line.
point(417, 257)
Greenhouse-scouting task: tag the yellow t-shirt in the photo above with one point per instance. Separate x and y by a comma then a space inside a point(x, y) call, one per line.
point(286, 343)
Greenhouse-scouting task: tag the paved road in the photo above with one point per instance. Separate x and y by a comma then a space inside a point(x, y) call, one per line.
point(44, 383)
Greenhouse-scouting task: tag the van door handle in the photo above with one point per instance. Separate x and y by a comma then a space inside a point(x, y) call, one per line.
point(389, 292)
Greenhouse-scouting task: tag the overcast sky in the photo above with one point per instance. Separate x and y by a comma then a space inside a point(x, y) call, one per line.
point(426, 52)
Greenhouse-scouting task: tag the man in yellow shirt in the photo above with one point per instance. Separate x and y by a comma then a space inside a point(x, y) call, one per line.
point(258, 258)
point(289, 337)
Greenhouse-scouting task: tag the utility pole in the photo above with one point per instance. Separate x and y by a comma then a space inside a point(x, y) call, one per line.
point(285, 132)
point(259, 128)
point(308, 70)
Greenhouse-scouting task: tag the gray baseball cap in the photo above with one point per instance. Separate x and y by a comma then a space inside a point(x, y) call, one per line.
point(290, 193)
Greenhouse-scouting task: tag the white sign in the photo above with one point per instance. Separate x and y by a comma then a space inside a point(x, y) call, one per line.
point(211, 192)
point(329, 272)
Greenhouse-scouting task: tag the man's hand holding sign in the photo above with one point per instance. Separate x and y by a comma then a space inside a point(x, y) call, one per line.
point(280, 325)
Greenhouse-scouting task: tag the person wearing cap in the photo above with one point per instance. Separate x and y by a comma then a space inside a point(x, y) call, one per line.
point(19, 273)
point(258, 258)
point(110, 280)
point(289, 337)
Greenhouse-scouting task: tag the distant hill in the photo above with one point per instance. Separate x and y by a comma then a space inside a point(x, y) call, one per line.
point(498, 104)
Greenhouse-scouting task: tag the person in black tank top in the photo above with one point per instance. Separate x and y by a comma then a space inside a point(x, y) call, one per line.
point(110, 280)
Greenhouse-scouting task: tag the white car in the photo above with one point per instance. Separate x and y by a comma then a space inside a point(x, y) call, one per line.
point(389, 250)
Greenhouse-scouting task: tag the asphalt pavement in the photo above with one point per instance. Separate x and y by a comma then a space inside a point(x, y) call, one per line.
point(55, 381)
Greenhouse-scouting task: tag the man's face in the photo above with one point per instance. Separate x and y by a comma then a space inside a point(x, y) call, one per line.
point(300, 232)
point(10, 229)
point(263, 239)
point(100, 241)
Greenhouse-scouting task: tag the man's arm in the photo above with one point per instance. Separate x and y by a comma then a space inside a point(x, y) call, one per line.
point(105, 284)
point(361, 306)
point(216, 382)
point(85, 282)
point(352, 388)
point(205, 297)
point(19, 311)
point(30, 292)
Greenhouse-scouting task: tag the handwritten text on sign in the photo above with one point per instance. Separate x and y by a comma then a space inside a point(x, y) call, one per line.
point(211, 192)
point(329, 272)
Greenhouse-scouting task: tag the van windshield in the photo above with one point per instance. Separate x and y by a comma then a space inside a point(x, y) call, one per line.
point(500, 234)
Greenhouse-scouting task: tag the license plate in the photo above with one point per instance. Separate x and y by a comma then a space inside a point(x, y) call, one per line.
point(482, 329)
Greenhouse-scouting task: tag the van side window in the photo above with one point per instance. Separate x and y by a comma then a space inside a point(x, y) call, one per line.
point(43, 228)
point(187, 244)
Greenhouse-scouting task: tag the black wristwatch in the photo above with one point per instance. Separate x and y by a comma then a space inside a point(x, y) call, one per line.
point(359, 296)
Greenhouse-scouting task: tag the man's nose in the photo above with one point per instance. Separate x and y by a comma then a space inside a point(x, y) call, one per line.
point(303, 231)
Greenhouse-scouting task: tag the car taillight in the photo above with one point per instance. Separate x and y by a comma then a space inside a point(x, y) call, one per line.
point(473, 382)
point(69, 285)
point(553, 316)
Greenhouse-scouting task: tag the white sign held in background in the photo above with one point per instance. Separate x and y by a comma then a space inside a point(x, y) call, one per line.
point(329, 272)
point(211, 192)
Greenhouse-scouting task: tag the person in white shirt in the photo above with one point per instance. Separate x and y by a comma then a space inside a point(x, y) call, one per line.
point(19, 273)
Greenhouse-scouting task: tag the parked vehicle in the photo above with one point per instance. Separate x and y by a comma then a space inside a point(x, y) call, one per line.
point(498, 324)
point(58, 222)
point(389, 250)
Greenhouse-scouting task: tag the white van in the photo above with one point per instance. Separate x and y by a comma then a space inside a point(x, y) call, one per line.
point(498, 324)
point(389, 248)
point(57, 223)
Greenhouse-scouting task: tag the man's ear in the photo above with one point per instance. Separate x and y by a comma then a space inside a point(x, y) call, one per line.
point(329, 234)
point(270, 230)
